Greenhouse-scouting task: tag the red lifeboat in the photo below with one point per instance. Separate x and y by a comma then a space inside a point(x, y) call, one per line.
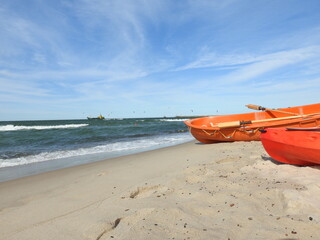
point(298, 146)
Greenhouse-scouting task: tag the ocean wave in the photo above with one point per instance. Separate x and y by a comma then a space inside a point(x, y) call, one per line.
point(12, 127)
point(173, 120)
point(136, 145)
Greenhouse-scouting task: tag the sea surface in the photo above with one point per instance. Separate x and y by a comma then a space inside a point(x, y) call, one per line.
point(31, 147)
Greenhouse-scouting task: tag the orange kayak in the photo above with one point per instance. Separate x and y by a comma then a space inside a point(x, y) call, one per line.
point(246, 126)
point(298, 146)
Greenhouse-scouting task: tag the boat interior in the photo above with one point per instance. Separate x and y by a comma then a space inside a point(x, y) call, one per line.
point(292, 112)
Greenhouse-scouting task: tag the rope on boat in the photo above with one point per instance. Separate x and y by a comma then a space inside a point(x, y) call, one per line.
point(253, 131)
point(215, 131)
point(210, 134)
point(232, 134)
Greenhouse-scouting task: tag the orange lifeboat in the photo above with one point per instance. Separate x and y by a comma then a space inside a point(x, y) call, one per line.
point(246, 126)
point(298, 146)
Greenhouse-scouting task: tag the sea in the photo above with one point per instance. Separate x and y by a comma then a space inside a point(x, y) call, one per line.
point(32, 147)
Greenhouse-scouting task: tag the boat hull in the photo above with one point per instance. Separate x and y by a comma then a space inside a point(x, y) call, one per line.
point(100, 117)
point(204, 130)
point(298, 147)
point(89, 118)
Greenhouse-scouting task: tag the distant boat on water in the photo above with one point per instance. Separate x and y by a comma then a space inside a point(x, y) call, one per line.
point(100, 117)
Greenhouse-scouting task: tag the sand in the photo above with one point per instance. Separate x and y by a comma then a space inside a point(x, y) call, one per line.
point(188, 191)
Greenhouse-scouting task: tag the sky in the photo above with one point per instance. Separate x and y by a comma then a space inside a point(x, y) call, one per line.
point(69, 59)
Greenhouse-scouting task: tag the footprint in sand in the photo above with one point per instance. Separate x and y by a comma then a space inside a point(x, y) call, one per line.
point(229, 159)
point(197, 174)
point(156, 190)
point(121, 226)
point(102, 174)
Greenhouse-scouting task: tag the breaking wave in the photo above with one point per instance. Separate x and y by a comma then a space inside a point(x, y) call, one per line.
point(173, 120)
point(11, 127)
point(135, 145)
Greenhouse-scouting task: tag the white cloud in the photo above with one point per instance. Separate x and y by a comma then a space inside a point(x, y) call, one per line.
point(96, 50)
point(122, 22)
point(207, 58)
point(17, 87)
point(241, 68)
point(271, 62)
point(212, 59)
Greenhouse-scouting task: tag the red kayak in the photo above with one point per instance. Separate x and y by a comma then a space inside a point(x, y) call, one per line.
point(298, 146)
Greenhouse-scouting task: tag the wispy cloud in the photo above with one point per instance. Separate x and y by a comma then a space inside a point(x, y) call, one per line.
point(208, 59)
point(243, 68)
point(272, 62)
point(18, 92)
point(158, 53)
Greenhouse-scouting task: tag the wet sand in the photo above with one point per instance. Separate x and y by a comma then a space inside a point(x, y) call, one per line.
point(188, 191)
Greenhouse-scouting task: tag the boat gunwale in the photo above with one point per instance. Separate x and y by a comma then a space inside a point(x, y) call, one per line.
point(272, 122)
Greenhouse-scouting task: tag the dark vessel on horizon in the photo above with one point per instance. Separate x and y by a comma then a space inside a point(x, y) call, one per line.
point(100, 117)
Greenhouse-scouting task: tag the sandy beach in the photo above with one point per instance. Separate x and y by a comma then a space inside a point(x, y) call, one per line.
point(188, 191)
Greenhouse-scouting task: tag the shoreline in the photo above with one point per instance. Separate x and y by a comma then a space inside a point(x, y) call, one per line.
point(19, 171)
point(190, 190)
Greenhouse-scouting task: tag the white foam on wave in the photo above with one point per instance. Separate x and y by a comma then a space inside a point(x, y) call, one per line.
point(11, 127)
point(137, 145)
point(173, 120)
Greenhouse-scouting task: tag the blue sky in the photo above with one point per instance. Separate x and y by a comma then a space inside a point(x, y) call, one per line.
point(69, 59)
